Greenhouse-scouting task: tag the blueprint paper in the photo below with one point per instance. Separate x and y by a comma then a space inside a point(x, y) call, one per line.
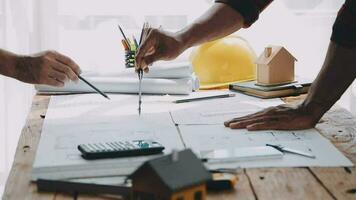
point(75, 119)
point(208, 137)
point(219, 110)
point(127, 85)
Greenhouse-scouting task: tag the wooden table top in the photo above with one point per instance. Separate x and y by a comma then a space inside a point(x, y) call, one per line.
point(338, 125)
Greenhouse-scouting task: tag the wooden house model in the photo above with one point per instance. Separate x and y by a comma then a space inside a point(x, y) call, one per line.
point(275, 66)
point(179, 176)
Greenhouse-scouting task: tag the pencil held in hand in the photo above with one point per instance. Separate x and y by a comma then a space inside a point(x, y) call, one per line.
point(92, 86)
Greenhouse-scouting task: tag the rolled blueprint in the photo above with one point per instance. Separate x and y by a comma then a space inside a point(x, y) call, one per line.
point(170, 70)
point(126, 85)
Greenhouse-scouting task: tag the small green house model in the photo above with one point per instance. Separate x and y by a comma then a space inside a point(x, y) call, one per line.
point(179, 176)
point(275, 66)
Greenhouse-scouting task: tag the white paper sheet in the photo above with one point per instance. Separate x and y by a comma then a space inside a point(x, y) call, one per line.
point(127, 85)
point(208, 137)
point(219, 110)
point(75, 119)
point(164, 70)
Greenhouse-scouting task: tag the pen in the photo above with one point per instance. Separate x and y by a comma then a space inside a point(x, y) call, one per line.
point(203, 98)
point(131, 45)
point(135, 42)
point(123, 34)
point(142, 30)
point(289, 150)
point(92, 86)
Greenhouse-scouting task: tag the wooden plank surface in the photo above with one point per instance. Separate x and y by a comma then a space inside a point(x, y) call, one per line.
point(272, 183)
point(286, 183)
point(18, 185)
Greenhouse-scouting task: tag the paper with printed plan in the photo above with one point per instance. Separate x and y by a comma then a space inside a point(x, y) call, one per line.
point(77, 119)
point(209, 137)
point(219, 110)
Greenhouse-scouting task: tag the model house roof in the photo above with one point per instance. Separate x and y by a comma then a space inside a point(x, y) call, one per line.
point(272, 54)
point(187, 170)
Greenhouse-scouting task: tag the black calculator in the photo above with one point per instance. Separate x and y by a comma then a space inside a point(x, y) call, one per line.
point(116, 149)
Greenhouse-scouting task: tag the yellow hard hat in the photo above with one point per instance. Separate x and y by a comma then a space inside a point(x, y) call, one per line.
point(222, 62)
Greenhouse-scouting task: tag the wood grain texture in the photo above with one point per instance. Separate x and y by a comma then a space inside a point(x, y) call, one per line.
point(18, 185)
point(273, 183)
point(286, 183)
point(340, 128)
point(339, 181)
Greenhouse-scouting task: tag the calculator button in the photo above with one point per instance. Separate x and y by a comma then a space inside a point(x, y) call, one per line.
point(118, 145)
point(111, 146)
point(98, 148)
point(123, 145)
point(86, 148)
point(117, 148)
point(93, 149)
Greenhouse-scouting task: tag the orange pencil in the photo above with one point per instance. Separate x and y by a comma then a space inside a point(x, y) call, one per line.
point(126, 47)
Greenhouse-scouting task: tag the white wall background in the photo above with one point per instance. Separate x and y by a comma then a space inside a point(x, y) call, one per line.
point(86, 30)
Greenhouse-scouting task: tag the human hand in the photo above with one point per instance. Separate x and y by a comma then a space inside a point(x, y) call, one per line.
point(158, 45)
point(48, 67)
point(282, 117)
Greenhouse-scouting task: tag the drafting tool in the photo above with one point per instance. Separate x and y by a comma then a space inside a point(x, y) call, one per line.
point(92, 86)
point(123, 34)
point(72, 187)
point(142, 31)
point(115, 149)
point(132, 46)
point(204, 98)
point(135, 41)
point(140, 71)
point(140, 75)
point(126, 47)
point(289, 150)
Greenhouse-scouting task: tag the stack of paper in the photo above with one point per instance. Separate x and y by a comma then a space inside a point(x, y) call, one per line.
point(163, 78)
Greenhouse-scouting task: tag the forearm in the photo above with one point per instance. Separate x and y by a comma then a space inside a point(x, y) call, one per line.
point(219, 21)
point(8, 63)
point(336, 75)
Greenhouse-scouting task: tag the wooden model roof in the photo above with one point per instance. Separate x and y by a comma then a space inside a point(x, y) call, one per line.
point(187, 171)
point(276, 50)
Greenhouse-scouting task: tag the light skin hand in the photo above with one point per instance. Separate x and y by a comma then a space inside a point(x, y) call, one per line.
point(49, 68)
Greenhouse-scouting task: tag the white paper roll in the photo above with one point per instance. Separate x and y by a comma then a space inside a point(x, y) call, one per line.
point(158, 70)
point(126, 85)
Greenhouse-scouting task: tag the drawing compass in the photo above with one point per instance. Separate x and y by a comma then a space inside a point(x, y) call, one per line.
point(140, 75)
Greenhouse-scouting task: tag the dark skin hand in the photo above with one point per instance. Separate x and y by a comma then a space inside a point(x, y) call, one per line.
point(282, 117)
point(162, 45)
point(337, 73)
point(49, 68)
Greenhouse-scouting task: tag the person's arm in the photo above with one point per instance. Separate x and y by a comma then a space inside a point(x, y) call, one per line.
point(336, 75)
point(222, 19)
point(49, 67)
